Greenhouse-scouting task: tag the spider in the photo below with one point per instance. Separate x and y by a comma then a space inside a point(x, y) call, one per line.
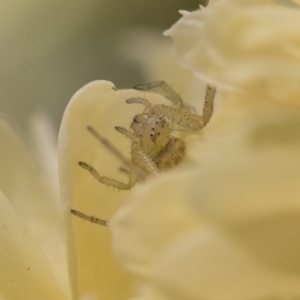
point(153, 148)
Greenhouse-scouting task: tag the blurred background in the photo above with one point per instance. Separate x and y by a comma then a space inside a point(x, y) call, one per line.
point(51, 48)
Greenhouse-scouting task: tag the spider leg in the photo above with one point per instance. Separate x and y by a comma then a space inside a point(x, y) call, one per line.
point(186, 119)
point(142, 159)
point(89, 218)
point(107, 181)
point(168, 92)
point(127, 133)
point(208, 104)
point(138, 100)
point(123, 170)
point(126, 162)
point(138, 155)
point(178, 118)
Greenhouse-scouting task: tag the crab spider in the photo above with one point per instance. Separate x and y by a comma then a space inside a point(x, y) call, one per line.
point(153, 148)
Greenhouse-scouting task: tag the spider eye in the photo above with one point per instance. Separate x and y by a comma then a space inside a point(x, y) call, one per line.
point(153, 136)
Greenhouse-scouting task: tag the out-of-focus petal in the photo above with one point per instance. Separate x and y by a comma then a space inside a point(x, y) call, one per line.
point(245, 180)
point(99, 105)
point(44, 140)
point(157, 214)
point(242, 45)
point(26, 272)
point(248, 182)
point(27, 188)
point(154, 54)
point(207, 263)
point(243, 161)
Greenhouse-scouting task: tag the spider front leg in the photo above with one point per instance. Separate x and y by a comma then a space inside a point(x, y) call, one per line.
point(110, 147)
point(138, 155)
point(112, 182)
point(175, 116)
point(186, 119)
point(182, 117)
point(141, 165)
point(168, 92)
point(105, 180)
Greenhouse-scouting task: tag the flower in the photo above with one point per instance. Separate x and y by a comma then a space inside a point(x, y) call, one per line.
point(33, 258)
point(224, 224)
point(228, 227)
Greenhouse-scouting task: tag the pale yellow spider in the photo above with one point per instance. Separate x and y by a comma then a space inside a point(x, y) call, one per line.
point(153, 148)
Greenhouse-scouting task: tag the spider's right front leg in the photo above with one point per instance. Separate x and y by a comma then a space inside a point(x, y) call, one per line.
point(168, 92)
point(186, 119)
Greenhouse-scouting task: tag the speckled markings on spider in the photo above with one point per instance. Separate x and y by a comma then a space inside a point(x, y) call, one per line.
point(153, 148)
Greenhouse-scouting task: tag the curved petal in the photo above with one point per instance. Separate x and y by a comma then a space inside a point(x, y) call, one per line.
point(25, 271)
point(31, 195)
point(99, 105)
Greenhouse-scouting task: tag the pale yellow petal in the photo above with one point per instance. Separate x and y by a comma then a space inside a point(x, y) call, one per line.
point(158, 212)
point(248, 182)
point(99, 105)
point(23, 182)
point(44, 140)
point(242, 45)
point(249, 165)
point(26, 273)
point(207, 263)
